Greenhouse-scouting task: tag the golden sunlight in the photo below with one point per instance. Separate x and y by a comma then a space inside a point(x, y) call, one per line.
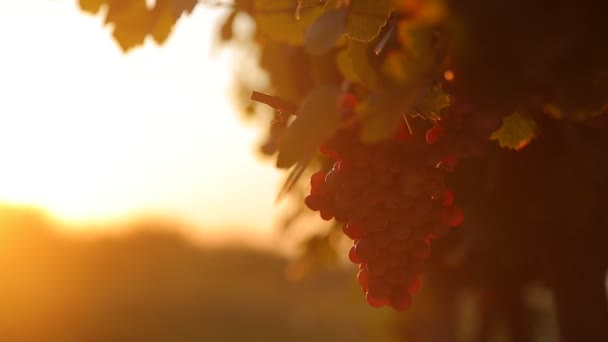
point(90, 134)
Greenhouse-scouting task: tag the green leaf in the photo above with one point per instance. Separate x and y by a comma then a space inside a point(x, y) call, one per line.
point(381, 112)
point(346, 67)
point(516, 131)
point(325, 31)
point(273, 58)
point(316, 120)
point(276, 19)
point(366, 18)
point(417, 59)
point(356, 65)
point(379, 116)
point(432, 102)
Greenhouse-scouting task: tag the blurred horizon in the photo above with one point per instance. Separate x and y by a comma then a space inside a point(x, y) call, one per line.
point(150, 283)
point(229, 236)
point(97, 138)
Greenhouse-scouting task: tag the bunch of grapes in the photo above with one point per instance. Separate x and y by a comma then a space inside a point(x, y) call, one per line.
point(393, 201)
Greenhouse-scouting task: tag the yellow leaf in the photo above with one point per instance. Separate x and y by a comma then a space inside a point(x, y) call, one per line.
point(133, 20)
point(131, 23)
point(432, 102)
point(366, 19)
point(117, 9)
point(345, 65)
point(358, 52)
point(317, 119)
point(325, 31)
point(165, 15)
point(179, 7)
point(516, 131)
point(394, 67)
point(91, 6)
point(416, 60)
point(287, 86)
point(379, 117)
point(163, 20)
point(381, 112)
point(276, 19)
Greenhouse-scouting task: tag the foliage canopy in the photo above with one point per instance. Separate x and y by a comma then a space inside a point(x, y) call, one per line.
point(532, 76)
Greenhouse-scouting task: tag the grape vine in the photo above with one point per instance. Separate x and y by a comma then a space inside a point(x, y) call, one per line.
point(421, 86)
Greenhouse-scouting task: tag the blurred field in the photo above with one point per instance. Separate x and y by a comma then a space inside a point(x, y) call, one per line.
point(153, 285)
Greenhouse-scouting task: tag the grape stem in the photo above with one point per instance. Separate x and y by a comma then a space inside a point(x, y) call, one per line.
point(407, 123)
point(274, 102)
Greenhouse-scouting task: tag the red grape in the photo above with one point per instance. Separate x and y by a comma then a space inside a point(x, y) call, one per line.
point(392, 200)
point(433, 134)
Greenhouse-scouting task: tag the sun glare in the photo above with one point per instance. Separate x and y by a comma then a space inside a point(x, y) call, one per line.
point(90, 134)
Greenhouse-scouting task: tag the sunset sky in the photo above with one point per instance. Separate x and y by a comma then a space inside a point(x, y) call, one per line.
point(90, 134)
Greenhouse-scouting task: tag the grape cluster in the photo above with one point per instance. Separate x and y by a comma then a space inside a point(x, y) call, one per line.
point(393, 201)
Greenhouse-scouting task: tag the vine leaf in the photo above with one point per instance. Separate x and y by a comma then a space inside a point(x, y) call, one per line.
point(346, 67)
point(92, 6)
point(516, 131)
point(432, 102)
point(272, 58)
point(276, 19)
point(226, 28)
point(323, 33)
point(179, 7)
point(366, 19)
point(354, 64)
point(165, 14)
point(417, 59)
point(316, 120)
point(378, 118)
point(133, 20)
point(381, 113)
point(163, 21)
